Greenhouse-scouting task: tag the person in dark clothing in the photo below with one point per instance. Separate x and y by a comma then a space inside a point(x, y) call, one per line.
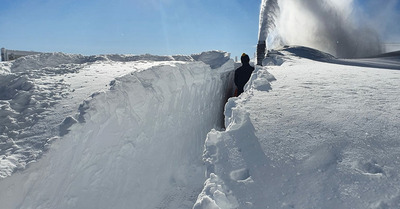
point(243, 73)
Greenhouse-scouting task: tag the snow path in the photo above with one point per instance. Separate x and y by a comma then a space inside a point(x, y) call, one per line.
point(323, 136)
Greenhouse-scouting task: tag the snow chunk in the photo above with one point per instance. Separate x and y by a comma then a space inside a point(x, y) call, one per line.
point(66, 124)
point(213, 58)
point(260, 80)
point(236, 158)
point(215, 195)
point(273, 58)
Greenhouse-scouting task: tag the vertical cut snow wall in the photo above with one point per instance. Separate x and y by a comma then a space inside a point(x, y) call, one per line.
point(140, 145)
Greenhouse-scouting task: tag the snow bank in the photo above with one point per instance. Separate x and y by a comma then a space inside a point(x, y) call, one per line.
point(304, 134)
point(322, 135)
point(234, 157)
point(39, 93)
point(137, 144)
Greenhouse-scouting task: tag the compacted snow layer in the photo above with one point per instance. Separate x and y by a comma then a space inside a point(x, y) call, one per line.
point(38, 92)
point(323, 136)
point(137, 141)
point(310, 132)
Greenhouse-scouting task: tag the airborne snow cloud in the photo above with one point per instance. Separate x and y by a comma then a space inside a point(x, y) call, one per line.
point(337, 27)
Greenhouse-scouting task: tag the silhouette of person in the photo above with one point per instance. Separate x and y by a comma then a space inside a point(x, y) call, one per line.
point(243, 73)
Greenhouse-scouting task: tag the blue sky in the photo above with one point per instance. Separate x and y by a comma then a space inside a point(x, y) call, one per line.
point(163, 27)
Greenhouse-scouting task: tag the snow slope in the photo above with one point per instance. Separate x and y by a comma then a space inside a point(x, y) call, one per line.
point(323, 136)
point(311, 131)
point(137, 141)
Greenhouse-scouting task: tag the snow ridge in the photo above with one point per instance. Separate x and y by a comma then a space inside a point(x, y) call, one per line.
point(322, 135)
point(138, 143)
point(39, 95)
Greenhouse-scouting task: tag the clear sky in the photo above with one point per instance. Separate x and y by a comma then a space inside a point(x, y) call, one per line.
point(162, 27)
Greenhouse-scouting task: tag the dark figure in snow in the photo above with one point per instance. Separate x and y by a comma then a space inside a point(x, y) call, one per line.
point(243, 73)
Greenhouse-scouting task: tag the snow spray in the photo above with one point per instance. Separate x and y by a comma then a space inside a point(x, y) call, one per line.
point(268, 13)
point(332, 26)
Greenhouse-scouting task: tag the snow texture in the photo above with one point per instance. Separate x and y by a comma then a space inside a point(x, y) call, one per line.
point(135, 137)
point(39, 94)
point(323, 136)
point(310, 131)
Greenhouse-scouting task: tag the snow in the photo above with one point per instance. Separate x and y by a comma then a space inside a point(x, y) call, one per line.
point(144, 131)
point(39, 92)
point(140, 130)
point(323, 136)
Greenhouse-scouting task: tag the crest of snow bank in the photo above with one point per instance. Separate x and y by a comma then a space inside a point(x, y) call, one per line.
point(50, 60)
point(213, 58)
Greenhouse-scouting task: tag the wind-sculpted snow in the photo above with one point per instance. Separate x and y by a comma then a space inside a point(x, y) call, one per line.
point(135, 142)
point(51, 60)
point(39, 93)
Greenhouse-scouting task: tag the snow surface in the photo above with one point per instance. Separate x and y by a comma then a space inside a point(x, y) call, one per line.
point(38, 94)
point(139, 137)
point(323, 136)
point(311, 131)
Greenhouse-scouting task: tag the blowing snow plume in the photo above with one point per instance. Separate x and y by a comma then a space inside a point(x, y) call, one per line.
point(268, 12)
point(328, 25)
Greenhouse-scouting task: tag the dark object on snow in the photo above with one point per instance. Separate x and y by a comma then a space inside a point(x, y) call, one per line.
point(8, 55)
point(261, 46)
point(243, 73)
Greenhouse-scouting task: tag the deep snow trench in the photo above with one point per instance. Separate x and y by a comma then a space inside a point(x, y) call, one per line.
point(138, 143)
point(323, 134)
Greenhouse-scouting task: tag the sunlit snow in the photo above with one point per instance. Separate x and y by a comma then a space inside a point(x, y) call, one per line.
point(124, 131)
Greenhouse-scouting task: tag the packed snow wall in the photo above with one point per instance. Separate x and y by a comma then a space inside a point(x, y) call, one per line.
point(137, 144)
point(324, 134)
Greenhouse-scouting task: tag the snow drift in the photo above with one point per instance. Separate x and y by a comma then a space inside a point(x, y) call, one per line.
point(321, 135)
point(310, 131)
point(137, 140)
